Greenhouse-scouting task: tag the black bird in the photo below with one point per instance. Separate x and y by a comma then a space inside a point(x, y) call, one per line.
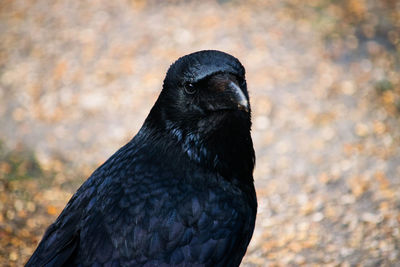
point(181, 192)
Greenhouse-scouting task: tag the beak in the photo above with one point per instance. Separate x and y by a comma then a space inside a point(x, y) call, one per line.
point(238, 97)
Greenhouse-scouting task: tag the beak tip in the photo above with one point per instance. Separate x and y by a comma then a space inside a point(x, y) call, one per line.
point(243, 105)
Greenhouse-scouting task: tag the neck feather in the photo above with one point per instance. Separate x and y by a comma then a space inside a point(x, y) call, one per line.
point(225, 147)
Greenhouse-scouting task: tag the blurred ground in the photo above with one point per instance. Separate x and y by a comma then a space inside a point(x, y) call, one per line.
point(77, 80)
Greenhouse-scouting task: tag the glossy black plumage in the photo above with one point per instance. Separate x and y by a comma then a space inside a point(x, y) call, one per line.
point(181, 192)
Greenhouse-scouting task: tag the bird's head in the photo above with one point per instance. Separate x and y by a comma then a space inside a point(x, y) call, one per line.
point(204, 107)
point(202, 89)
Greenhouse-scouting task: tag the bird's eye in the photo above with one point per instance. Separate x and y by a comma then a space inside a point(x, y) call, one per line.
point(190, 88)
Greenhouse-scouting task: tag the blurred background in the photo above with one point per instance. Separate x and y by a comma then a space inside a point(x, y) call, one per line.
point(78, 78)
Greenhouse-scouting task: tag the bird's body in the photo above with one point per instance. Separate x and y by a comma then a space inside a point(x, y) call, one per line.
point(181, 192)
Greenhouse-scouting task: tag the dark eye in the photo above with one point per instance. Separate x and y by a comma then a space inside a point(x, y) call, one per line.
point(190, 88)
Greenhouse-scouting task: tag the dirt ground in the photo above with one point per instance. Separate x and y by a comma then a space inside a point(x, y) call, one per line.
point(78, 78)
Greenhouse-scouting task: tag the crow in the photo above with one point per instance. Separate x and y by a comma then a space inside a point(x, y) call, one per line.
point(181, 192)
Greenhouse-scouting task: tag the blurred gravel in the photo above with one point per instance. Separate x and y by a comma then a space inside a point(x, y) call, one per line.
point(77, 80)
